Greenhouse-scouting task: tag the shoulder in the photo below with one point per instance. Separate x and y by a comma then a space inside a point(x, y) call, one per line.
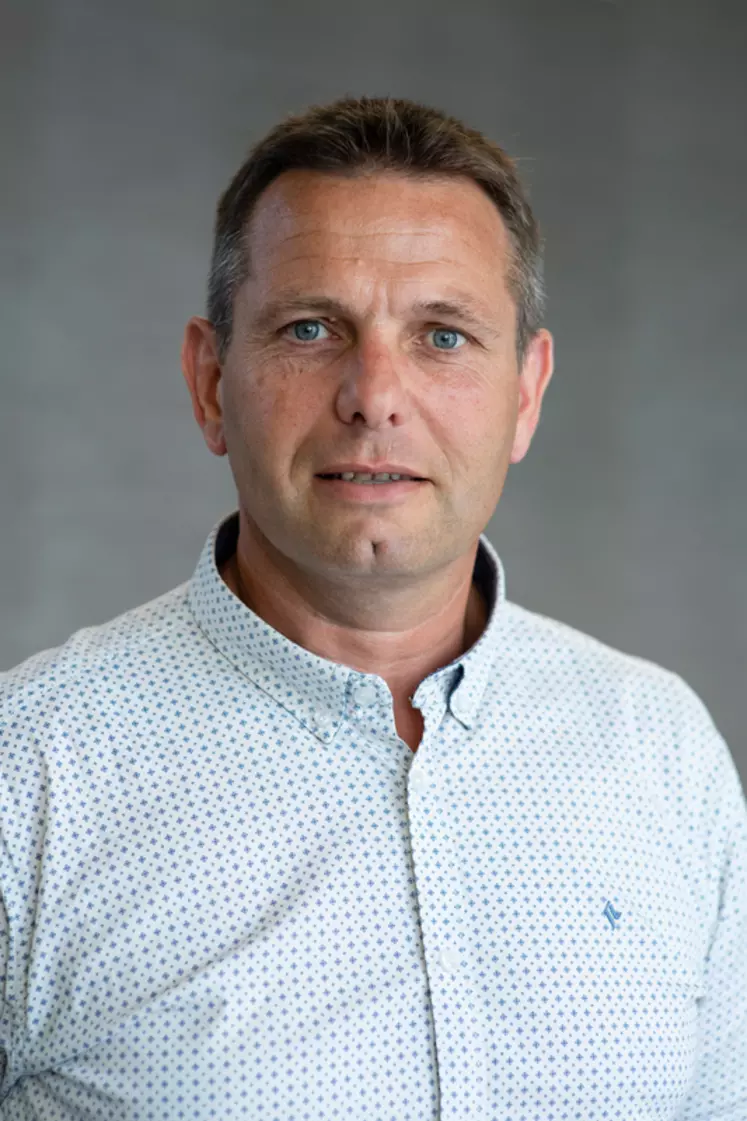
point(568, 655)
point(119, 650)
point(641, 706)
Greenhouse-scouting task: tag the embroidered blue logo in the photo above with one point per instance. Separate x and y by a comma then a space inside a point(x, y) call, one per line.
point(611, 914)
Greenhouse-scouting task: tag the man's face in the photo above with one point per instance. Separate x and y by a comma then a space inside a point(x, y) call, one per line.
point(345, 351)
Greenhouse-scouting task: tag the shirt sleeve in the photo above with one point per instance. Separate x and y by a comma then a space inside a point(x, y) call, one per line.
point(718, 1091)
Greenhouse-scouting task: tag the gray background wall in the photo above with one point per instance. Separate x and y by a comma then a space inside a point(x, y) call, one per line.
point(122, 123)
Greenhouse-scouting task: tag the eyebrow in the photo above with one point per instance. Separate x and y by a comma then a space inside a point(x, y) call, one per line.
point(460, 308)
point(457, 308)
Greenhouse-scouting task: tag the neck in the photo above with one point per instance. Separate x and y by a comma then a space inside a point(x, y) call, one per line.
point(402, 635)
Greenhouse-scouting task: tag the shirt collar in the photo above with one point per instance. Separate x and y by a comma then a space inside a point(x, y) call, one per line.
point(315, 690)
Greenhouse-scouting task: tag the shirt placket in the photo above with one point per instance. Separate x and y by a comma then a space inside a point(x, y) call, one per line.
point(459, 1029)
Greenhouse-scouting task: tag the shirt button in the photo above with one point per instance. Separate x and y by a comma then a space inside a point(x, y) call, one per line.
point(449, 959)
point(365, 694)
point(418, 779)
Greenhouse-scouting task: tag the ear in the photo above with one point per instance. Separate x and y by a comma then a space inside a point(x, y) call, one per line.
point(202, 373)
point(534, 377)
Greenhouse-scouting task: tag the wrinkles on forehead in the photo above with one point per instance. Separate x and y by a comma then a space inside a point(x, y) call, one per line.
point(396, 218)
point(349, 246)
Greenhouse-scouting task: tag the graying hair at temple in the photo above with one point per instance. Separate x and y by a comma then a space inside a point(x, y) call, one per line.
point(354, 136)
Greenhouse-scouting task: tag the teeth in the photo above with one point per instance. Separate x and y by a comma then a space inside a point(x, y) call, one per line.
point(365, 477)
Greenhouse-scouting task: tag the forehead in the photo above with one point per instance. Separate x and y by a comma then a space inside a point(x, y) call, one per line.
point(390, 219)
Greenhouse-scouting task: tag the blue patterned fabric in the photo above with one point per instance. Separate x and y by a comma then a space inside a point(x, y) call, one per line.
point(231, 891)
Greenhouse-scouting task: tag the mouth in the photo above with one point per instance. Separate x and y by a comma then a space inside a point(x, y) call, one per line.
point(358, 488)
point(365, 479)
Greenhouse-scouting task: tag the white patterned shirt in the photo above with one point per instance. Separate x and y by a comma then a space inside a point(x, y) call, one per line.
point(230, 890)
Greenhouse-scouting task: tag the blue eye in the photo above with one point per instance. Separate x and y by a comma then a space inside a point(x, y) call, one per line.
point(445, 338)
point(307, 330)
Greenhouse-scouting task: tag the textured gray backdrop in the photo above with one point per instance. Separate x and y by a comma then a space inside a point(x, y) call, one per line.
point(123, 122)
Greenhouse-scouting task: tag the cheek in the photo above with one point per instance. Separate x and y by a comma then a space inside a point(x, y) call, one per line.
point(271, 407)
point(477, 419)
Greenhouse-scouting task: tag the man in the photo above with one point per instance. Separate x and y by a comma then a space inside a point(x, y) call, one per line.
point(335, 830)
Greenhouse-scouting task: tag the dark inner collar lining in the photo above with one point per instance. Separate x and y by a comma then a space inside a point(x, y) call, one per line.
point(482, 575)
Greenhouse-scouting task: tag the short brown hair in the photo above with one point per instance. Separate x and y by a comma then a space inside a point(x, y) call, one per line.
point(367, 134)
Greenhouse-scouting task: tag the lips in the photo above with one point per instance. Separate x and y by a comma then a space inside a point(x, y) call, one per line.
point(363, 492)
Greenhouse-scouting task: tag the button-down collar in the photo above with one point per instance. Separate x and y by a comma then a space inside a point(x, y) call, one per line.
point(319, 692)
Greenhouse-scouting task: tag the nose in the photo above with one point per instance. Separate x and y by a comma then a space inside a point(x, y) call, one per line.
point(374, 387)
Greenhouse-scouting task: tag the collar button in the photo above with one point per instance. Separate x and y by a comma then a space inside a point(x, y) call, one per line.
point(325, 726)
point(365, 694)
